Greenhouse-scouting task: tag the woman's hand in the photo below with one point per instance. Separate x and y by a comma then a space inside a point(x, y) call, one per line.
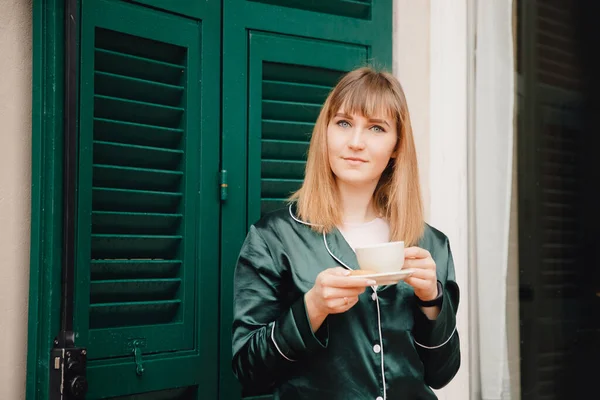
point(424, 280)
point(333, 293)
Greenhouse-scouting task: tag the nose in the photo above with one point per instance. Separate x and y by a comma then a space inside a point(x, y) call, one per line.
point(357, 140)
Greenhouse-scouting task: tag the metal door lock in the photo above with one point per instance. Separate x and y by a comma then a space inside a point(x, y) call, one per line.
point(68, 373)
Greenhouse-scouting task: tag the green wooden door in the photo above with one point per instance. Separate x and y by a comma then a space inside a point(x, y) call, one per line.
point(170, 93)
point(147, 252)
point(280, 60)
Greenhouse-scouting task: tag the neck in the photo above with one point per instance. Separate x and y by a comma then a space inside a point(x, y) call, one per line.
point(357, 203)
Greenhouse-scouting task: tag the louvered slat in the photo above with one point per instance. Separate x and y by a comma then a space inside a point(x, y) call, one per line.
point(137, 192)
point(556, 40)
point(301, 92)
point(134, 200)
point(284, 149)
point(137, 111)
point(122, 222)
point(290, 110)
point(118, 176)
point(291, 102)
point(140, 67)
point(118, 314)
point(134, 155)
point(134, 246)
point(283, 169)
point(292, 130)
point(279, 188)
point(559, 191)
point(132, 268)
point(347, 8)
point(121, 290)
point(136, 133)
point(273, 71)
point(127, 87)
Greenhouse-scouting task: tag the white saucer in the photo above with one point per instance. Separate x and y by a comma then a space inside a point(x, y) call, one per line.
point(386, 278)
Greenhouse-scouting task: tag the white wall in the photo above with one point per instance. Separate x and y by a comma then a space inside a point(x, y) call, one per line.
point(411, 67)
point(15, 192)
point(448, 177)
point(430, 60)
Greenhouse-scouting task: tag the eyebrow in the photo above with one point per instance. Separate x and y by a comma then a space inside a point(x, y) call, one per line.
point(373, 120)
point(379, 121)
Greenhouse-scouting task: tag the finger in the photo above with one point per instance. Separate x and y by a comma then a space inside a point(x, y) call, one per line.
point(340, 293)
point(346, 282)
point(328, 276)
point(416, 252)
point(418, 283)
point(422, 263)
point(343, 304)
point(424, 274)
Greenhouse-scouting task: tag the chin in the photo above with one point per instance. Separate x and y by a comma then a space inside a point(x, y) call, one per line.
point(353, 179)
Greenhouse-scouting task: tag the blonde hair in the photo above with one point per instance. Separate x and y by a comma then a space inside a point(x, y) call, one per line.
point(397, 196)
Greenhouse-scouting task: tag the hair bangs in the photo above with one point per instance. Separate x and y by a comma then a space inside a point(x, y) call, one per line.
point(370, 96)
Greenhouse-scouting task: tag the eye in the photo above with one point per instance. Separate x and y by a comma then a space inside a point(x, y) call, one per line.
point(343, 123)
point(378, 129)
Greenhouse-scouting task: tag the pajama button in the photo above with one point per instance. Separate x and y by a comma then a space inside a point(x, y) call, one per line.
point(377, 348)
point(379, 398)
point(374, 296)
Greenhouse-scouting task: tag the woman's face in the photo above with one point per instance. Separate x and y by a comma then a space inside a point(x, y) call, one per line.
point(360, 148)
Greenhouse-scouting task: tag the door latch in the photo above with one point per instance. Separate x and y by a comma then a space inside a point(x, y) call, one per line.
point(137, 356)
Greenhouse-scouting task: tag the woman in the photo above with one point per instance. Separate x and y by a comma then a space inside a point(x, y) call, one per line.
point(302, 327)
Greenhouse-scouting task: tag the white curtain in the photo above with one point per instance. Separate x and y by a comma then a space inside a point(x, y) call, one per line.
point(494, 126)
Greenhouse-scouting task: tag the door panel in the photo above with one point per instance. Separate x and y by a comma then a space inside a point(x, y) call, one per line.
point(280, 60)
point(147, 259)
point(152, 239)
point(559, 299)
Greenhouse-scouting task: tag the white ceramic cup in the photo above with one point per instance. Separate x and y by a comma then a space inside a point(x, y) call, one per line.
point(381, 258)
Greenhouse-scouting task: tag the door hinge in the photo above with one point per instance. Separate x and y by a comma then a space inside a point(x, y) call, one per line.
point(223, 184)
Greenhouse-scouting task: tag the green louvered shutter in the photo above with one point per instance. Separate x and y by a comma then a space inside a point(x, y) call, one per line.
point(288, 88)
point(281, 59)
point(290, 101)
point(147, 260)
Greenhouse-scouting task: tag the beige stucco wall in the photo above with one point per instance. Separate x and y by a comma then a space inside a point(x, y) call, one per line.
point(15, 192)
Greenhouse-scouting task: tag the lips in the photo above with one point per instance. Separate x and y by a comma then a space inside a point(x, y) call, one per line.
point(354, 159)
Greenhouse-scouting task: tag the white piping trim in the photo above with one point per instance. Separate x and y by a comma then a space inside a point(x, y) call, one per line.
point(332, 255)
point(381, 346)
point(436, 347)
point(378, 315)
point(277, 347)
point(374, 287)
point(299, 220)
